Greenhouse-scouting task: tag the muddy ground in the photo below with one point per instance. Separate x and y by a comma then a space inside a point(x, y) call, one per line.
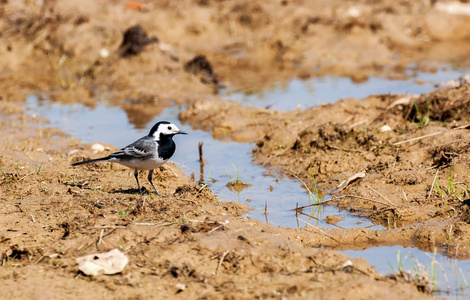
point(189, 244)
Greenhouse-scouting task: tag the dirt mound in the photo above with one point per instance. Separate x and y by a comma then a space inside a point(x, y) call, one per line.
point(134, 41)
point(447, 105)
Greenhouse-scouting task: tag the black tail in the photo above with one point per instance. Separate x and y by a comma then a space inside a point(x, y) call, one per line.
point(91, 161)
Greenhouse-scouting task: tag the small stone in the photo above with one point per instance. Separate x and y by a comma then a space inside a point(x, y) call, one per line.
point(104, 52)
point(97, 148)
point(385, 128)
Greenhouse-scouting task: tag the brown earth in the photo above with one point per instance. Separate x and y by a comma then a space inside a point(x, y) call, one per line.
point(187, 243)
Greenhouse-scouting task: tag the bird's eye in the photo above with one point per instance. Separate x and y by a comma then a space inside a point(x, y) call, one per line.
point(169, 127)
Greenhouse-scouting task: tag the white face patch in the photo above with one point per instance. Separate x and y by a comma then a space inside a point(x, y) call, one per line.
point(166, 129)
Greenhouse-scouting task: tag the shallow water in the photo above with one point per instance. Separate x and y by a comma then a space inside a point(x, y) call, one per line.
point(296, 93)
point(224, 160)
point(450, 275)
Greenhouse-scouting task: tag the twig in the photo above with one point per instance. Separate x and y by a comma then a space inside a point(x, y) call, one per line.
point(382, 196)
point(316, 203)
point(202, 188)
point(315, 218)
point(221, 261)
point(297, 213)
point(358, 123)
point(19, 207)
point(310, 216)
point(214, 229)
point(431, 134)
point(152, 224)
point(432, 184)
point(404, 194)
point(39, 260)
point(202, 162)
point(101, 237)
point(199, 221)
point(26, 175)
point(369, 199)
point(201, 157)
point(110, 226)
point(321, 231)
point(419, 138)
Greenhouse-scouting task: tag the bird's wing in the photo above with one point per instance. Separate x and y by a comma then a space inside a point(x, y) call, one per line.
point(142, 148)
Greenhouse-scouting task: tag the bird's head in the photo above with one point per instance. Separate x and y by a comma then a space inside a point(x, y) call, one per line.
point(164, 129)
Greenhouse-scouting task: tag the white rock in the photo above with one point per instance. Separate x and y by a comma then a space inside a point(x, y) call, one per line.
point(353, 12)
point(97, 148)
point(385, 128)
point(104, 52)
point(347, 263)
point(111, 262)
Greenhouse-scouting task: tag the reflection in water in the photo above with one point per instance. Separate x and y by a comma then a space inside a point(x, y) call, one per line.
point(142, 111)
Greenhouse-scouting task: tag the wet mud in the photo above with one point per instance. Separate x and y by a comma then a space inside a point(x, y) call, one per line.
point(411, 149)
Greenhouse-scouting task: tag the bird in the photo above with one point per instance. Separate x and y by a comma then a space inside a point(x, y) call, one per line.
point(147, 153)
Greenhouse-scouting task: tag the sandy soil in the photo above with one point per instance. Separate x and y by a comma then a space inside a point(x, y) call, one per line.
point(187, 243)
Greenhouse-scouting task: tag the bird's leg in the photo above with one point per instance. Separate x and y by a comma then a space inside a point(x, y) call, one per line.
point(136, 175)
point(150, 180)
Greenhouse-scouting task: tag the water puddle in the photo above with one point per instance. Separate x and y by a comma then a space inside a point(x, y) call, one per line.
point(224, 162)
point(449, 276)
point(296, 93)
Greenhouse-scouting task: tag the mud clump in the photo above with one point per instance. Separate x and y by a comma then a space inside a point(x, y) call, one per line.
point(443, 155)
point(134, 41)
point(464, 212)
point(447, 104)
point(201, 67)
point(333, 136)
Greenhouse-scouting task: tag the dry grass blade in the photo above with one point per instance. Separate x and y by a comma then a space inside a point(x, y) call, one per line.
point(152, 224)
point(368, 199)
point(431, 134)
point(221, 261)
point(110, 226)
point(312, 217)
point(432, 184)
point(101, 237)
point(381, 196)
point(419, 138)
point(215, 229)
point(321, 231)
point(313, 204)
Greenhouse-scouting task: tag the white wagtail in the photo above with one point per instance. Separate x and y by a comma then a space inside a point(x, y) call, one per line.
point(147, 153)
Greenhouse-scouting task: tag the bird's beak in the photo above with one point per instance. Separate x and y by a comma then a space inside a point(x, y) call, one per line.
point(181, 132)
